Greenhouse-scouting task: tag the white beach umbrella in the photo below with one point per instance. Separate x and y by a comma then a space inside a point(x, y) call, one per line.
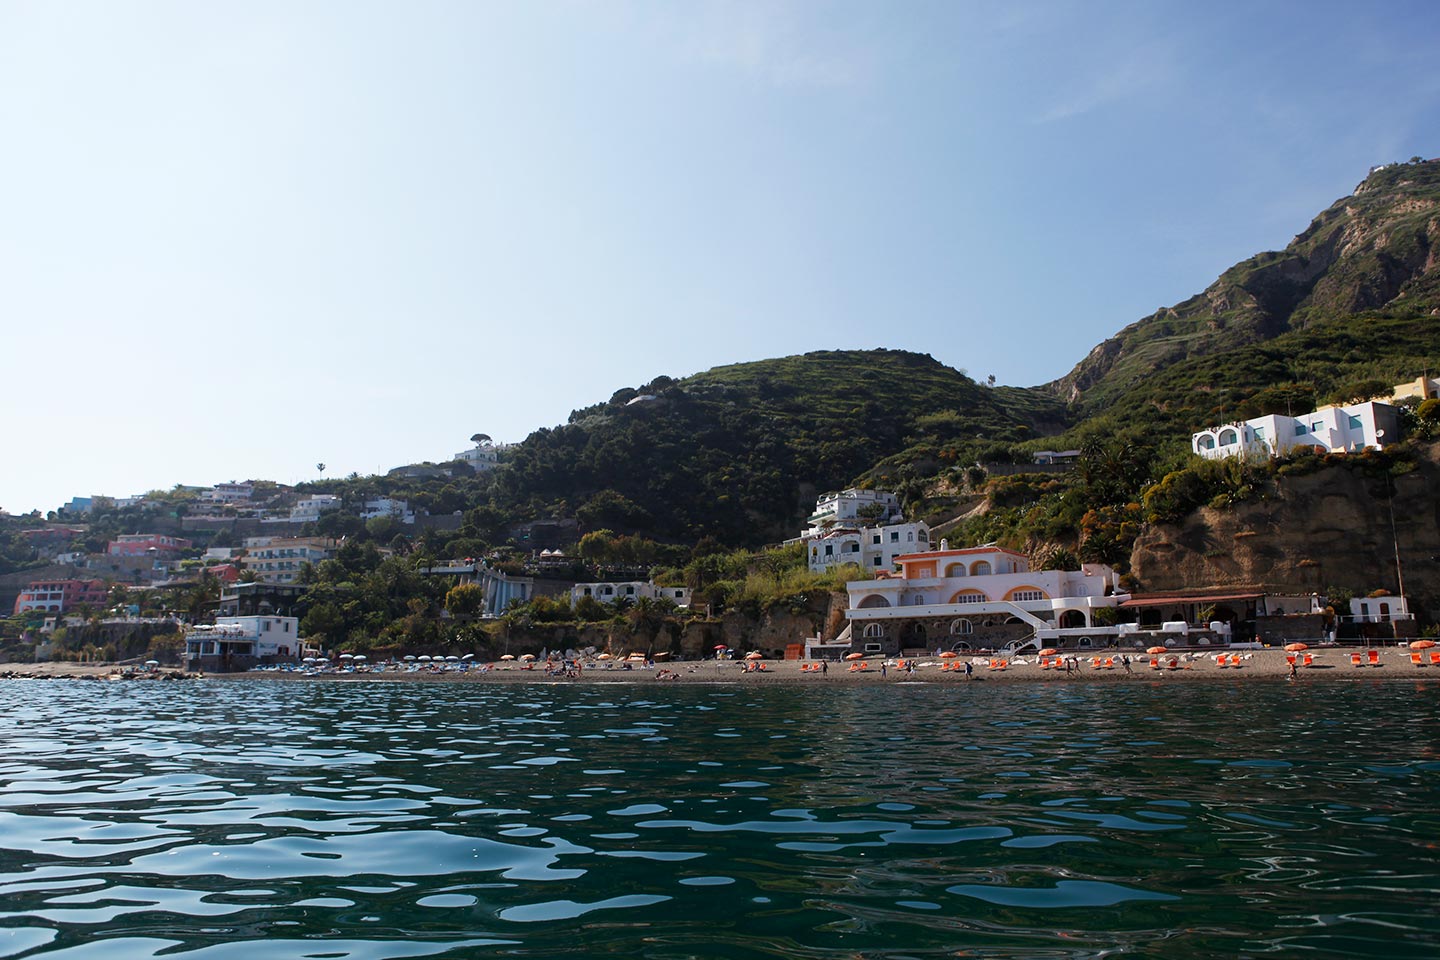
point(409, 658)
point(453, 659)
point(347, 656)
point(360, 656)
point(424, 658)
point(468, 656)
point(152, 663)
point(308, 660)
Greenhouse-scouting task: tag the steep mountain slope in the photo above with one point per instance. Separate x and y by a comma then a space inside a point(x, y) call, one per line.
point(738, 452)
point(1372, 256)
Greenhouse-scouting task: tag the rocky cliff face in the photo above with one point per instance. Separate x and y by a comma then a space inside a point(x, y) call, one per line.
point(1327, 529)
point(1376, 249)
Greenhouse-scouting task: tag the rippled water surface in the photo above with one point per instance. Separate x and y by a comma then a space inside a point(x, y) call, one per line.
point(449, 820)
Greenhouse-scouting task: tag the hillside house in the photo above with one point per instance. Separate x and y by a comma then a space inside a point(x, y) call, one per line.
point(1335, 429)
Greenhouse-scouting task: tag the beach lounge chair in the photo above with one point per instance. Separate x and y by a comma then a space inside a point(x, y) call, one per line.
point(1154, 663)
point(1290, 659)
point(1417, 660)
point(1435, 659)
point(1355, 659)
point(1109, 663)
point(1374, 657)
point(1309, 660)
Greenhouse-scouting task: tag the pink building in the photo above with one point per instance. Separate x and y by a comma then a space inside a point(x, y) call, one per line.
point(140, 545)
point(61, 596)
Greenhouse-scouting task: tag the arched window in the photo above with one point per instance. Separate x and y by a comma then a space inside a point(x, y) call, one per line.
point(872, 601)
point(1205, 442)
point(955, 570)
point(874, 631)
point(1228, 436)
point(980, 568)
point(1023, 594)
point(960, 627)
point(969, 596)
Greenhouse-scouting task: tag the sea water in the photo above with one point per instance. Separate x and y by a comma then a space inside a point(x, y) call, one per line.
point(376, 820)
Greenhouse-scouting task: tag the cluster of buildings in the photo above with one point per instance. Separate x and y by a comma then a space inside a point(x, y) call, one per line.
point(863, 527)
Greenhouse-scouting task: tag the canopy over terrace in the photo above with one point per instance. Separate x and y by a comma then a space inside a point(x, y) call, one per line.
point(1197, 608)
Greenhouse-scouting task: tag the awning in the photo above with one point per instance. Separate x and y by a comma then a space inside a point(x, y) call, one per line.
point(1161, 601)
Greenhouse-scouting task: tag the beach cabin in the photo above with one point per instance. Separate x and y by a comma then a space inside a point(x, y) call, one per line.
point(239, 643)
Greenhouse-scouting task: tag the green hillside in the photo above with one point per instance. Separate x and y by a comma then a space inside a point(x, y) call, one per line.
point(739, 452)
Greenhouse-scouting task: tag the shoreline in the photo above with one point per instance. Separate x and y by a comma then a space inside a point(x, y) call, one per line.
point(1331, 664)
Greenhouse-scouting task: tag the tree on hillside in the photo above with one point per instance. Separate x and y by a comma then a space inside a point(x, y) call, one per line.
point(465, 599)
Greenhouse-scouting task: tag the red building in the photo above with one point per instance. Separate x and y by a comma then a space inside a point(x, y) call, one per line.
point(61, 596)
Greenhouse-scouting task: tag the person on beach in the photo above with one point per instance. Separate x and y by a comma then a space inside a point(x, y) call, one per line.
point(969, 669)
point(882, 669)
point(1294, 672)
point(824, 666)
point(1125, 662)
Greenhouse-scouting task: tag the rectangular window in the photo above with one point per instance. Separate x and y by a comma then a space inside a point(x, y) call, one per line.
point(1355, 423)
point(1259, 433)
point(1024, 595)
point(894, 536)
point(875, 562)
point(829, 550)
point(875, 539)
point(1299, 429)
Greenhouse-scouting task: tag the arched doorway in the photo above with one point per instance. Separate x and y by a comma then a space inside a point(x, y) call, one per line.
point(1072, 619)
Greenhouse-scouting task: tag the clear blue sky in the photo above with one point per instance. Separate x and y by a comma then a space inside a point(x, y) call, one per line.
point(237, 239)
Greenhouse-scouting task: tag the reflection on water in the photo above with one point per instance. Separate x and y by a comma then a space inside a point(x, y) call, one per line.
point(415, 820)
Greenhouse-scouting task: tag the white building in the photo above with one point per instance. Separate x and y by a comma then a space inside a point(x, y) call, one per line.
point(1337, 429)
point(845, 509)
point(1378, 609)
point(229, 492)
point(312, 507)
point(874, 548)
point(483, 456)
point(941, 597)
point(385, 507)
point(238, 641)
point(280, 559)
point(610, 592)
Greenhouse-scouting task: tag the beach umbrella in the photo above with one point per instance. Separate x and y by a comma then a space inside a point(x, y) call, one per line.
point(603, 656)
point(409, 658)
point(1049, 652)
point(854, 656)
point(527, 656)
point(152, 663)
point(754, 655)
point(468, 656)
point(453, 659)
point(721, 646)
point(662, 655)
point(424, 658)
point(359, 656)
point(1156, 650)
point(1421, 644)
point(508, 656)
point(1296, 647)
point(308, 660)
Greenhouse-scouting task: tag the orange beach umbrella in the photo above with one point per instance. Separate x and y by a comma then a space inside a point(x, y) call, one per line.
point(1049, 652)
point(1296, 647)
point(854, 656)
point(1421, 644)
point(1156, 650)
point(754, 655)
point(948, 655)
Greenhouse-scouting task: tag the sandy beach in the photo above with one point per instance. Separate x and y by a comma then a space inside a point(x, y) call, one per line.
point(1328, 665)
